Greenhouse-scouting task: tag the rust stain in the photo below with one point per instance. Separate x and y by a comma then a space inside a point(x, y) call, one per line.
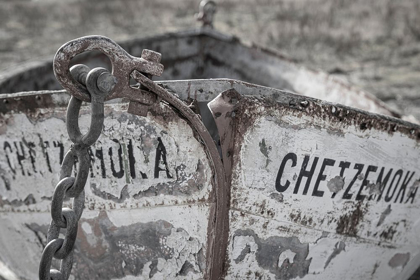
point(388, 234)
point(26, 104)
point(301, 219)
point(95, 248)
point(111, 252)
point(269, 250)
point(344, 117)
point(348, 223)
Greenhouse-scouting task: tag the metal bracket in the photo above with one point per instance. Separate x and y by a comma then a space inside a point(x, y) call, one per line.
point(122, 65)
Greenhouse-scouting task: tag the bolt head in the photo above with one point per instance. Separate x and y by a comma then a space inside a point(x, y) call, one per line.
point(106, 82)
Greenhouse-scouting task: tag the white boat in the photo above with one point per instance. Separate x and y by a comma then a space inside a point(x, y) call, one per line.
point(316, 185)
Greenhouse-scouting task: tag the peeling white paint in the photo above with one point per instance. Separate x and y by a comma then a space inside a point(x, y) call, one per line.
point(21, 249)
point(286, 256)
point(123, 133)
point(347, 238)
point(356, 262)
point(174, 208)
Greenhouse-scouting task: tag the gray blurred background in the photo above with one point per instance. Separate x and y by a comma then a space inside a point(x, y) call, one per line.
point(373, 44)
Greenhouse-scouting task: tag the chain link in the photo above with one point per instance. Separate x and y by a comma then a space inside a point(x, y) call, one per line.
point(99, 82)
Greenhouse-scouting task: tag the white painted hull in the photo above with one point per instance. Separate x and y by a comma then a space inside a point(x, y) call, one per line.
point(150, 218)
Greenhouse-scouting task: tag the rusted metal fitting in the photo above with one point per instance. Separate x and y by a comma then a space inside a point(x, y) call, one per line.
point(151, 56)
point(123, 64)
point(97, 98)
point(207, 10)
point(141, 108)
point(105, 82)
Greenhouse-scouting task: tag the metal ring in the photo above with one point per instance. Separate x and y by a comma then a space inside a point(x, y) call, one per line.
point(56, 275)
point(67, 164)
point(46, 258)
point(97, 111)
point(79, 73)
point(70, 235)
point(82, 170)
point(57, 202)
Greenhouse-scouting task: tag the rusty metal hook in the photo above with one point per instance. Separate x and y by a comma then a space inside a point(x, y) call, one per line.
point(123, 64)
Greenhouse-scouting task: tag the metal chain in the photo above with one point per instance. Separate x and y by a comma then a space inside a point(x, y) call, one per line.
point(100, 86)
point(99, 82)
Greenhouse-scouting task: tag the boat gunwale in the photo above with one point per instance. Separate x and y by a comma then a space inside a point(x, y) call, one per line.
point(284, 98)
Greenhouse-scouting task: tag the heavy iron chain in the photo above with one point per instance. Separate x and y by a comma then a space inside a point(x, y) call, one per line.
point(99, 82)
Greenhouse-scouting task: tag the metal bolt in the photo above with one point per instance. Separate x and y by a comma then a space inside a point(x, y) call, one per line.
point(304, 103)
point(106, 82)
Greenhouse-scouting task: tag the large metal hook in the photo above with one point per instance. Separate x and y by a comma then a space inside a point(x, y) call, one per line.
point(97, 97)
point(123, 64)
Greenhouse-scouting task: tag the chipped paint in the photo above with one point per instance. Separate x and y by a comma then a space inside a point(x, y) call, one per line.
point(339, 247)
point(399, 260)
point(268, 253)
point(338, 182)
point(136, 162)
point(146, 243)
point(156, 250)
point(384, 215)
point(148, 197)
point(265, 151)
point(271, 234)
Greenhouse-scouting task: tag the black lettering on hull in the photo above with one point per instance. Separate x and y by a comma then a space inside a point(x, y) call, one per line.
point(322, 176)
point(371, 168)
point(397, 189)
point(389, 196)
point(305, 173)
point(161, 163)
point(359, 168)
point(279, 186)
